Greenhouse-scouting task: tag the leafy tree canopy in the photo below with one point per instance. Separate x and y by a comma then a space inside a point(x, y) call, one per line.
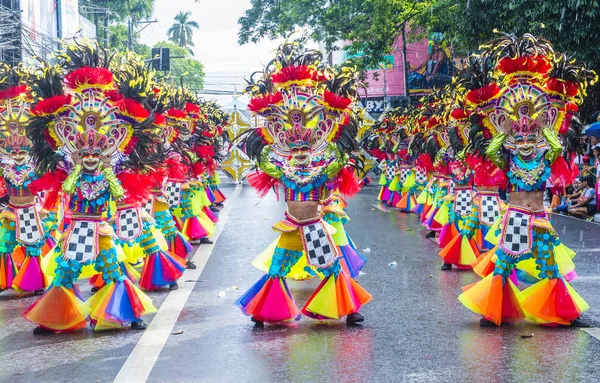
point(372, 26)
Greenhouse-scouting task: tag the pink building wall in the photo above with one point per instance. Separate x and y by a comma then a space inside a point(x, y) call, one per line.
point(416, 54)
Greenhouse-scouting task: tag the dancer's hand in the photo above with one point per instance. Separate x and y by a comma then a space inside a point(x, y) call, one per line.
point(77, 158)
point(105, 162)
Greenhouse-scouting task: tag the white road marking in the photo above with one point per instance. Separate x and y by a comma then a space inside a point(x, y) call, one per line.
point(139, 364)
point(593, 331)
point(383, 209)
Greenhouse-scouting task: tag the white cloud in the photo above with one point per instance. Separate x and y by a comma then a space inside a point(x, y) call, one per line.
point(215, 42)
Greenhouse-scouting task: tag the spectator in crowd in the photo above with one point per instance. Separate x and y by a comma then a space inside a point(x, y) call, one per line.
point(570, 198)
point(587, 170)
point(585, 207)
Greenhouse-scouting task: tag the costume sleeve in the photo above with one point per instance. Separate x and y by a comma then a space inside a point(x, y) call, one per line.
point(493, 150)
point(116, 190)
point(266, 166)
point(69, 184)
point(554, 144)
point(337, 165)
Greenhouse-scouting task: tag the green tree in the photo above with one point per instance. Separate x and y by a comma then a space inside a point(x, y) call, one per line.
point(186, 68)
point(182, 31)
point(372, 26)
point(118, 39)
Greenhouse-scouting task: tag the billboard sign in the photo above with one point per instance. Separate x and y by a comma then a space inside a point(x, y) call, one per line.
point(68, 12)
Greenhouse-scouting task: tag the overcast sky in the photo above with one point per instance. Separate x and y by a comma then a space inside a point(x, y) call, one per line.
point(216, 40)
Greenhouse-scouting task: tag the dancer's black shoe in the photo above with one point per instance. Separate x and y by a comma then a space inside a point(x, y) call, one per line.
point(95, 289)
point(39, 330)
point(214, 209)
point(39, 292)
point(206, 241)
point(354, 318)
point(431, 234)
point(173, 286)
point(486, 323)
point(580, 323)
point(139, 325)
point(446, 266)
point(190, 265)
point(257, 323)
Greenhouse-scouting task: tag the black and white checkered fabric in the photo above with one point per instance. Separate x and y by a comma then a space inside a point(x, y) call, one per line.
point(29, 230)
point(149, 207)
point(81, 244)
point(515, 234)
point(319, 249)
point(173, 193)
point(390, 171)
point(450, 187)
point(129, 224)
point(489, 209)
point(404, 175)
point(463, 202)
point(421, 177)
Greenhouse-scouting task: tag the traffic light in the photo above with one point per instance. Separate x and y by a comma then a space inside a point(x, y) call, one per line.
point(161, 59)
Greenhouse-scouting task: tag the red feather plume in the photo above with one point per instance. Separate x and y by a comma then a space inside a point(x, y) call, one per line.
point(260, 103)
point(13, 91)
point(51, 184)
point(347, 182)
point(335, 101)
point(137, 186)
point(262, 183)
point(50, 105)
point(89, 76)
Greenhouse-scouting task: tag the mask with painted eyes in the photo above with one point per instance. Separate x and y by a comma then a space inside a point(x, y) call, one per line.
point(20, 155)
point(90, 160)
point(301, 155)
point(525, 135)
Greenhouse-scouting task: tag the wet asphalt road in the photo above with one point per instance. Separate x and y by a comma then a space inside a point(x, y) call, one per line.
point(415, 328)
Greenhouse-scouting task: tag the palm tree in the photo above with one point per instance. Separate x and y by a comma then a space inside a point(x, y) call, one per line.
point(182, 30)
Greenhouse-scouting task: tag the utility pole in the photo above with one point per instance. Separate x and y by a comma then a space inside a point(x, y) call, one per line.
point(385, 103)
point(130, 34)
point(405, 64)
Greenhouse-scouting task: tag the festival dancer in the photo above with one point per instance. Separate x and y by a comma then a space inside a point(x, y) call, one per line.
point(190, 217)
point(24, 240)
point(525, 121)
point(455, 252)
point(85, 125)
point(309, 129)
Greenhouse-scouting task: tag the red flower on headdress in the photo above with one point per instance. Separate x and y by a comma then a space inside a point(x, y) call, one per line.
point(433, 122)
point(113, 95)
point(482, 95)
point(335, 101)
point(459, 114)
point(159, 119)
point(100, 77)
point(13, 91)
point(532, 64)
point(564, 87)
point(258, 104)
point(176, 113)
point(293, 73)
point(133, 109)
point(192, 108)
point(51, 105)
point(205, 151)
